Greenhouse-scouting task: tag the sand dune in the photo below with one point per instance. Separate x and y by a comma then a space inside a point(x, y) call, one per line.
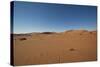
point(45, 48)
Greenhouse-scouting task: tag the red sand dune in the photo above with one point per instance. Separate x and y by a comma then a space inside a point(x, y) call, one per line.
point(68, 46)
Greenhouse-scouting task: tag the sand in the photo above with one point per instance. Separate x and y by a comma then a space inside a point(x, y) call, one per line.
point(64, 47)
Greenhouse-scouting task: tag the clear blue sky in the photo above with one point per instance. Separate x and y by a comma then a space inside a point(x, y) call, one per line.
point(40, 17)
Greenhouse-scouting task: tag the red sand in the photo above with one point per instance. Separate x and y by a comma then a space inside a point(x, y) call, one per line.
point(68, 46)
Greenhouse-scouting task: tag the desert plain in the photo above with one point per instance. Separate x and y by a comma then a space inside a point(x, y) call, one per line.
point(55, 47)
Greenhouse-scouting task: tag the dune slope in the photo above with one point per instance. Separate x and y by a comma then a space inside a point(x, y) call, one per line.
point(68, 46)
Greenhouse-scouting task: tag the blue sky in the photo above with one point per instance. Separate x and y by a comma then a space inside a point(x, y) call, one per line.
point(40, 17)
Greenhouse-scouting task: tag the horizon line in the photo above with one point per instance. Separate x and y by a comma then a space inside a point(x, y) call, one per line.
point(50, 31)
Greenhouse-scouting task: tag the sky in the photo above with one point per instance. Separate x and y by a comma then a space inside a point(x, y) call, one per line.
point(45, 17)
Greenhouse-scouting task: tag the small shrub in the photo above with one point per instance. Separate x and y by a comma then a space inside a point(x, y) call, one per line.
point(90, 32)
point(71, 49)
point(23, 39)
point(80, 33)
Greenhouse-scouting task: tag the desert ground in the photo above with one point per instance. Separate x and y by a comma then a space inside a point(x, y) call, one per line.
point(55, 47)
